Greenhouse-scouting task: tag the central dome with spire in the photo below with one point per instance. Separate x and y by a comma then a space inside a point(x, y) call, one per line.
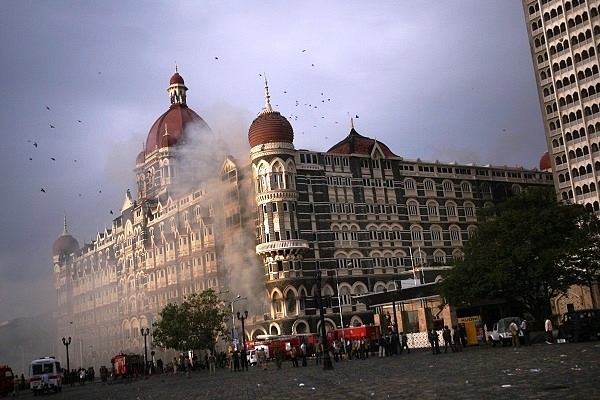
point(269, 126)
point(355, 143)
point(169, 128)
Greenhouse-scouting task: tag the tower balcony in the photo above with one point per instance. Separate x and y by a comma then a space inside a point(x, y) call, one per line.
point(282, 247)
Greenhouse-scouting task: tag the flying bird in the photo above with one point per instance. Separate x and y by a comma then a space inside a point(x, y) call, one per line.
point(356, 115)
point(30, 159)
point(47, 108)
point(111, 211)
point(78, 120)
point(35, 144)
point(42, 190)
point(216, 58)
point(51, 126)
point(52, 158)
point(75, 160)
point(303, 51)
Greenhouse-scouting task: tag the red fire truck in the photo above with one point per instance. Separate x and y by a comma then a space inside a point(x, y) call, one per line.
point(282, 342)
point(354, 333)
point(127, 365)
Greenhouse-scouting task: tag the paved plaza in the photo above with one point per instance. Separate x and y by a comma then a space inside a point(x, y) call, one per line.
point(558, 371)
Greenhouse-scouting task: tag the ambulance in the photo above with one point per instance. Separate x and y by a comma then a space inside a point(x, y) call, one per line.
point(45, 366)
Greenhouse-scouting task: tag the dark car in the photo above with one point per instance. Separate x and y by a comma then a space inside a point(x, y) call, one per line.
point(580, 325)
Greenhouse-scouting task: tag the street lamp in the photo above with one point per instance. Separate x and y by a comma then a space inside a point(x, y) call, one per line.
point(239, 297)
point(145, 333)
point(67, 342)
point(327, 365)
point(242, 317)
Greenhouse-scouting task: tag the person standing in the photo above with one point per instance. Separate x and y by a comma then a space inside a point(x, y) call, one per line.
point(523, 327)
point(16, 383)
point(404, 342)
point(447, 336)
point(456, 337)
point(294, 356)
point(548, 330)
point(319, 352)
point(514, 333)
point(435, 341)
point(303, 353)
point(212, 364)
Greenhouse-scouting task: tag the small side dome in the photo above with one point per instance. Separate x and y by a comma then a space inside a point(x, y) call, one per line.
point(545, 164)
point(270, 127)
point(141, 158)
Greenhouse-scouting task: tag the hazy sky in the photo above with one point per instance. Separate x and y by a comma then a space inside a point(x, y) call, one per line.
point(438, 80)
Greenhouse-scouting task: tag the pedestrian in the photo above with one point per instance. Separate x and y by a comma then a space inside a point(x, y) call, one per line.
point(381, 346)
point(514, 333)
point(463, 335)
point(294, 356)
point(45, 384)
point(548, 330)
point(456, 337)
point(435, 341)
point(447, 336)
point(404, 344)
point(212, 364)
point(278, 358)
point(303, 354)
point(262, 358)
point(82, 377)
point(16, 382)
point(525, 330)
point(319, 352)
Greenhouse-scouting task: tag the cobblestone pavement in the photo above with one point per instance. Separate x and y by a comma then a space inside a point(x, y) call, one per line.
point(558, 371)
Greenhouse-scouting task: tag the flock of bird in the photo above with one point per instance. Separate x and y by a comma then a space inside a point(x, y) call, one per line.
point(307, 111)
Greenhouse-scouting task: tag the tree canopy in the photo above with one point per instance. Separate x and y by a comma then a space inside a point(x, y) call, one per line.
point(528, 249)
point(197, 323)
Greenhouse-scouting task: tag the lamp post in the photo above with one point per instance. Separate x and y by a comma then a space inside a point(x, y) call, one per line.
point(242, 317)
point(327, 365)
point(238, 298)
point(145, 333)
point(67, 342)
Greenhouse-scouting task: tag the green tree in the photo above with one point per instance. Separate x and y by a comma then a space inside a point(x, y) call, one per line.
point(197, 323)
point(528, 249)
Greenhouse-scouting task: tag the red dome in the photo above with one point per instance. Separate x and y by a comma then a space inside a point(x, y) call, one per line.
point(545, 164)
point(175, 118)
point(176, 79)
point(65, 244)
point(270, 127)
point(356, 143)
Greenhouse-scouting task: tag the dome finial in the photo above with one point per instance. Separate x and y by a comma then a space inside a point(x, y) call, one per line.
point(65, 232)
point(268, 108)
point(351, 122)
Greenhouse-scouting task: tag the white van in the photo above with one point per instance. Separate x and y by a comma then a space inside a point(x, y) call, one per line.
point(501, 332)
point(45, 366)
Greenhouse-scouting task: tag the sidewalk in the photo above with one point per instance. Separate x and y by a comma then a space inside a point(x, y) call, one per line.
point(537, 372)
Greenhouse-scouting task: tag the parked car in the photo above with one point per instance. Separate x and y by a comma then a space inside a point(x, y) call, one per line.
point(580, 325)
point(500, 333)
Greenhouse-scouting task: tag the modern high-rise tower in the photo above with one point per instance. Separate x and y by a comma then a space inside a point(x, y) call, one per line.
point(564, 37)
